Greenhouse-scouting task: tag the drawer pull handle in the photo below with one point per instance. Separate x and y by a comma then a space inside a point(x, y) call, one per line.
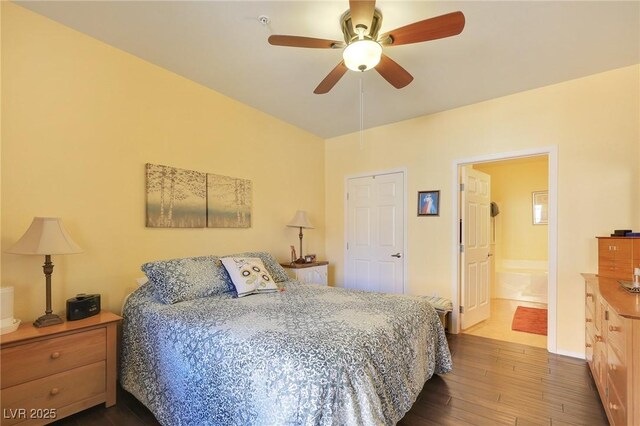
point(590, 295)
point(588, 345)
point(588, 320)
point(614, 328)
point(599, 338)
point(612, 367)
point(54, 391)
point(55, 355)
point(613, 406)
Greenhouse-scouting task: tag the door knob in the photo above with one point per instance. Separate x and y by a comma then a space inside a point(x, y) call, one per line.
point(398, 255)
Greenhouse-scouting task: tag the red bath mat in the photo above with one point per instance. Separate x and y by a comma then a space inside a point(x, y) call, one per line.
point(530, 320)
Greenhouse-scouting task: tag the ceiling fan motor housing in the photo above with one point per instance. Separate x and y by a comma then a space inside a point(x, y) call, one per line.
point(350, 33)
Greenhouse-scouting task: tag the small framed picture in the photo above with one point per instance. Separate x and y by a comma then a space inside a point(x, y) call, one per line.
point(539, 206)
point(310, 258)
point(429, 203)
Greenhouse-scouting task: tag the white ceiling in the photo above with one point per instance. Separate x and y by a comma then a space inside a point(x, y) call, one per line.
point(506, 47)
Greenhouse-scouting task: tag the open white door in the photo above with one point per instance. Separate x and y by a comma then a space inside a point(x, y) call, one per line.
point(375, 233)
point(475, 286)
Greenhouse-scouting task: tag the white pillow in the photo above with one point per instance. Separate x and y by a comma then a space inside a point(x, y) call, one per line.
point(249, 275)
point(141, 281)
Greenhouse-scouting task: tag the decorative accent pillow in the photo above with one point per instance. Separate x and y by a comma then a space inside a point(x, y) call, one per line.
point(273, 267)
point(177, 280)
point(249, 275)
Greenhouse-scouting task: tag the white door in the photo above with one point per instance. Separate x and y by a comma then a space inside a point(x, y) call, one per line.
point(375, 233)
point(475, 288)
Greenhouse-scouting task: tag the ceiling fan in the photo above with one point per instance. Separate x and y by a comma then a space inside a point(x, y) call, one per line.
point(363, 46)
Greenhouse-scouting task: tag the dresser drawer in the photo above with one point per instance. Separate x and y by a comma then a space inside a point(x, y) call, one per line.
point(589, 348)
point(616, 408)
point(619, 269)
point(617, 376)
point(590, 301)
point(623, 248)
point(56, 391)
point(605, 249)
point(38, 359)
point(617, 334)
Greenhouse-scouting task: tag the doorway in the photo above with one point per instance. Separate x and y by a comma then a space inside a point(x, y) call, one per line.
point(522, 254)
point(375, 232)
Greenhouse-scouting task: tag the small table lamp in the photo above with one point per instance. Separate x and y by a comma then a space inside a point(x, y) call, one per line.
point(46, 236)
point(300, 220)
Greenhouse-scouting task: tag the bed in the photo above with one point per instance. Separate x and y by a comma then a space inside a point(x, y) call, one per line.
point(305, 354)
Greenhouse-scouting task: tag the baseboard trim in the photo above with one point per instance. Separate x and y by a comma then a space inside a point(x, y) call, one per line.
point(570, 354)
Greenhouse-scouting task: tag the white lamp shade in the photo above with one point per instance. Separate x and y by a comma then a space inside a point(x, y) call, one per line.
point(300, 220)
point(46, 235)
point(6, 306)
point(362, 55)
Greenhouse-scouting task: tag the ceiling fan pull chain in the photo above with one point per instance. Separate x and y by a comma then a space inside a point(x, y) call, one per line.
point(361, 115)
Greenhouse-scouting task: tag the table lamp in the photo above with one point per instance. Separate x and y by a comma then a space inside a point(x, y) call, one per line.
point(46, 236)
point(300, 220)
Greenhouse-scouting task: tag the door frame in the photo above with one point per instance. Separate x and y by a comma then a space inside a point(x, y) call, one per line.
point(552, 231)
point(405, 255)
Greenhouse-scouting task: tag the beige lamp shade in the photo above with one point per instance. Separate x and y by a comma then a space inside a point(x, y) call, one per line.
point(45, 236)
point(300, 220)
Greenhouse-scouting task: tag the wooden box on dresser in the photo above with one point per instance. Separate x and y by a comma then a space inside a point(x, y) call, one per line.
point(308, 273)
point(51, 372)
point(617, 256)
point(612, 336)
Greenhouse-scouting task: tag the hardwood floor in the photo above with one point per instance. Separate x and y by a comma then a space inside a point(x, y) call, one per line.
point(492, 382)
point(495, 382)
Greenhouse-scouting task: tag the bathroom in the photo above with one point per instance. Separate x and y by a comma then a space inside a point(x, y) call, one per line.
point(518, 246)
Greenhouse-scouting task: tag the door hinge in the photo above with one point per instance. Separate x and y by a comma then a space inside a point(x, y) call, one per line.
point(461, 309)
point(606, 315)
point(462, 187)
point(461, 248)
point(347, 246)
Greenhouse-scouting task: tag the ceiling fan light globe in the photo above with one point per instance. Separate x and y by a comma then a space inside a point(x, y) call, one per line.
point(362, 55)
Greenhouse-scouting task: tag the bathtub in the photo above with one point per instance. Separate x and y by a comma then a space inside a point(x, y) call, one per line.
point(521, 280)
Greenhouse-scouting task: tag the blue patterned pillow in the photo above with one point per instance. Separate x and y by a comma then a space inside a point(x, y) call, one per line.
point(273, 267)
point(177, 280)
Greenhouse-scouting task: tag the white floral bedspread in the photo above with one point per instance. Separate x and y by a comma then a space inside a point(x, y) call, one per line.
point(309, 355)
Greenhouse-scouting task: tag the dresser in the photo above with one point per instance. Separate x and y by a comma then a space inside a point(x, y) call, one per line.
point(308, 273)
point(612, 340)
point(617, 256)
point(51, 372)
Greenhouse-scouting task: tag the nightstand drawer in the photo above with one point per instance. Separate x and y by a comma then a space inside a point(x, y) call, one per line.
point(56, 391)
point(42, 358)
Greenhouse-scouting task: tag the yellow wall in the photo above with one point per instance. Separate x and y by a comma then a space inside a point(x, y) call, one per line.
point(594, 122)
point(80, 120)
point(512, 184)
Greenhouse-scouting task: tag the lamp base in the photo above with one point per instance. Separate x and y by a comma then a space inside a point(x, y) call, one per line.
point(47, 320)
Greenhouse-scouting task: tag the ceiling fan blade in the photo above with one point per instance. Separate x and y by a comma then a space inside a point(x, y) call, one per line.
point(297, 41)
point(430, 29)
point(397, 76)
point(331, 79)
point(362, 13)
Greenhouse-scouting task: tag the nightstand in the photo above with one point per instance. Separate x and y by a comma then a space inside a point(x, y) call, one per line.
point(52, 372)
point(308, 273)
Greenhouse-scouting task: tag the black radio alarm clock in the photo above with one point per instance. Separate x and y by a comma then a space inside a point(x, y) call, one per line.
point(83, 306)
